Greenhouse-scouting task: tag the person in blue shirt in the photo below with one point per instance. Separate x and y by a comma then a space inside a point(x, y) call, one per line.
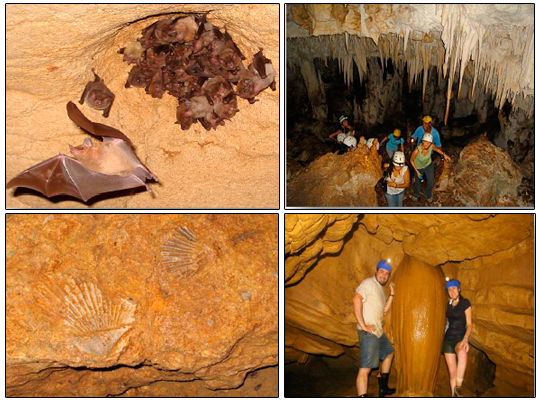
point(426, 127)
point(393, 141)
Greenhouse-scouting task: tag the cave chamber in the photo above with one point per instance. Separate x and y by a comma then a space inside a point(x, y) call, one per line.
point(469, 67)
point(328, 255)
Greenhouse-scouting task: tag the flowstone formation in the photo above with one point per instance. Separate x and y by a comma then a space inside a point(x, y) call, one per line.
point(236, 166)
point(94, 309)
point(492, 255)
point(417, 325)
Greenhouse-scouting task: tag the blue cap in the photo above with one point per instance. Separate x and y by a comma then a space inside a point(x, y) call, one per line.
point(452, 283)
point(383, 264)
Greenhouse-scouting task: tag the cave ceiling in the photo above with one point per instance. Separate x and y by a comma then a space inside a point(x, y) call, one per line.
point(494, 43)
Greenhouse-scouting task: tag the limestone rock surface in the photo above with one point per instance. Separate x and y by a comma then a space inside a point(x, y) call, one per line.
point(91, 303)
point(234, 166)
point(305, 243)
point(485, 175)
point(346, 180)
point(491, 254)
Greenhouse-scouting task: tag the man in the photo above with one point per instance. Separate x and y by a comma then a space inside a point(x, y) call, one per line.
point(370, 306)
point(426, 127)
point(340, 135)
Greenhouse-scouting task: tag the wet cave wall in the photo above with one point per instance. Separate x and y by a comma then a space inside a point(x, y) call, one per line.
point(387, 66)
point(327, 256)
point(102, 305)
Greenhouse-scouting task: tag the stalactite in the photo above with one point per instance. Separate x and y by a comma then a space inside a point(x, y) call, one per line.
point(502, 64)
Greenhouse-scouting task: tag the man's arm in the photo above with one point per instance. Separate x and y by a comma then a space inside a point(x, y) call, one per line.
point(358, 310)
point(390, 298)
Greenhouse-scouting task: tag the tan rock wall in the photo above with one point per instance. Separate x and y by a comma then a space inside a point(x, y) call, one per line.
point(50, 50)
point(91, 291)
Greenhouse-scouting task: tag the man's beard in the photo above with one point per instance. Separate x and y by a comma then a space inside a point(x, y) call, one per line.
point(380, 282)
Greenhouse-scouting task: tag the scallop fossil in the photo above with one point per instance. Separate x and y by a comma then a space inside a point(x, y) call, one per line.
point(94, 322)
point(180, 253)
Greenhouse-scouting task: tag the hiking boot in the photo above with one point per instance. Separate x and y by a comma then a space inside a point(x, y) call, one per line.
point(457, 392)
point(414, 198)
point(429, 200)
point(384, 389)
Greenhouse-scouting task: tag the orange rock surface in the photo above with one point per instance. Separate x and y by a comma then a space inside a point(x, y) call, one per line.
point(92, 310)
point(491, 254)
point(236, 166)
point(333, 180)
point(417, 326)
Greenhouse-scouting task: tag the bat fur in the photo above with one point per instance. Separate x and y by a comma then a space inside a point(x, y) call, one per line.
point(97, 95)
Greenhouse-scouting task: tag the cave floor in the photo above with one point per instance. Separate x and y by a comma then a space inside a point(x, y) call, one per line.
point(330, 377)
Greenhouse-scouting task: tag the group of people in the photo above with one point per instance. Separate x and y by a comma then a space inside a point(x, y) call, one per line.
point(397, 174)
point(376, 351)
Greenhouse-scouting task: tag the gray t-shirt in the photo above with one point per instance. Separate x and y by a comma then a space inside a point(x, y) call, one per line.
point(374, 301)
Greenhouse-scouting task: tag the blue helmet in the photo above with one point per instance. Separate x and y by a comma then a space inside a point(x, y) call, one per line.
point(384, 264)
point(452, 283)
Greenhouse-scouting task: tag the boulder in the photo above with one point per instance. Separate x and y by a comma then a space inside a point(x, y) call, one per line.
point(485, 175)
point(333, 180)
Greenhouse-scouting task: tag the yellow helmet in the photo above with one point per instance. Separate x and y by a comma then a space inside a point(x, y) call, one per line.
point(397, 133)
point(427, 119)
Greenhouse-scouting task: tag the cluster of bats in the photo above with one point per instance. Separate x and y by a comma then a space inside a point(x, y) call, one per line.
point(196, 62)
point(189, 58)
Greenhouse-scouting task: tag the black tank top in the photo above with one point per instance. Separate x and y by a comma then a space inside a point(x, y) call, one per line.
point(457, 320)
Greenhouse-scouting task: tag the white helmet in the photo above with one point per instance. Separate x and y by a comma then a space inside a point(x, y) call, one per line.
point(427, 137)
point(398, 158)
point(340, 137)
point(350, 141)
point(343, 118)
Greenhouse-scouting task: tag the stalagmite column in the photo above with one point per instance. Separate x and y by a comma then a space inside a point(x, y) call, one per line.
point(418, 321)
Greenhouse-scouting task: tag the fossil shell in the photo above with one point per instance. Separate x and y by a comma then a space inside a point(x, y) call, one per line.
point(94, 322)
point(180, 253)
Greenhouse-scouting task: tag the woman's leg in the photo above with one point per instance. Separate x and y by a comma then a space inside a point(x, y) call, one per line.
point(451, 360)
point(417, 185)
point(400, 198)
point(462, 356)
point(390, 152)
point(391, 200)
point(429, 173)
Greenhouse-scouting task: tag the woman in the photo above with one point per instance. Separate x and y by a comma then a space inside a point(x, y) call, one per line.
point(421, 160)
point(458, 330)
point(398, 179)
point(393, 142)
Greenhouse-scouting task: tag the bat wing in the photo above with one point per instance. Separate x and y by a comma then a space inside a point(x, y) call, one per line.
point(62, 175)
point(97, 129)
point(259, 63)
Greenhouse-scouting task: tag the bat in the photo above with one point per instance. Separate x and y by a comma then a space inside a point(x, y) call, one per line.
point(103, 167)
point(259, 76)
point(97, 95)
point(197, 63)
point(132, 52)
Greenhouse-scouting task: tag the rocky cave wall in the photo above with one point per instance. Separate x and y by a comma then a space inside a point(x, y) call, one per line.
point(492, 255)
point(50, 50)
point(93, 310)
